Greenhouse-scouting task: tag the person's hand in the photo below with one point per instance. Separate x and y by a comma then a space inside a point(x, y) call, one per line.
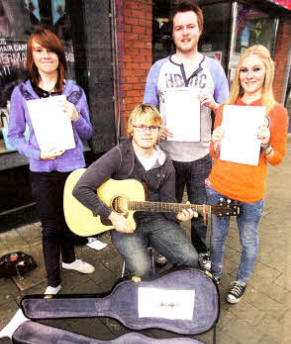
point(186, 214)
point(206, 99)
point(69, 109)
point(217, 134)
point(120, 223)
point(50, 154)
point(264, 133)
point(165, 133)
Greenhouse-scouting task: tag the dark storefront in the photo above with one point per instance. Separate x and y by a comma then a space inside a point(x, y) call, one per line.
point(84, 28)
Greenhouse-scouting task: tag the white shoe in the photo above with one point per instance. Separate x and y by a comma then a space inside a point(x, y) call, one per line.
point(80, 266)
point(14, 323)
point(52, 290)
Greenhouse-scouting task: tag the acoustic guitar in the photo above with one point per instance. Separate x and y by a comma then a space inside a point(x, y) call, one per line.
point(126, 197)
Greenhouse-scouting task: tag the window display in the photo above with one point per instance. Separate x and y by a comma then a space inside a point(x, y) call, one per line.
point(18, 19)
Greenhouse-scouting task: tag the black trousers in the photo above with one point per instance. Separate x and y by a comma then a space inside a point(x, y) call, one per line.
point(47, 188)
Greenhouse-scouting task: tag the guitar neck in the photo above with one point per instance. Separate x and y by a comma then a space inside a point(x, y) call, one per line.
point(166, 207)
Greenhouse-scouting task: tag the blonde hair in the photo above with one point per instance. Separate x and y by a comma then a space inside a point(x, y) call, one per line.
point(148, 113)
point(236, 90)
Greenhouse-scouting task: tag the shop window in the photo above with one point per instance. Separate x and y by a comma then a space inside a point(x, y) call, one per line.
point(214, 41)
point(251, 27)
point(18, 19)
point(162, 36)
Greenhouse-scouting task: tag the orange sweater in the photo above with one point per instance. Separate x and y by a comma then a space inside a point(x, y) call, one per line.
point(242, 182)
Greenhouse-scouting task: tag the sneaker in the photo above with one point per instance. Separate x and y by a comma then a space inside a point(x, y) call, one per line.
point(52, 290)
point(160, 260)
point(204, 261)
point(236, 292)
point(80, 266)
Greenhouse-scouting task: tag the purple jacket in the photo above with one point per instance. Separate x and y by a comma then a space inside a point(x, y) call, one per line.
point(19, 117)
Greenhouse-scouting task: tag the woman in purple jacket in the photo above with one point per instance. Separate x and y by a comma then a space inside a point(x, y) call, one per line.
point(46, 64)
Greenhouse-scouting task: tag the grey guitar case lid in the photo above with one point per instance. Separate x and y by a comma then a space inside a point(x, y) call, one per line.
point(184, 301)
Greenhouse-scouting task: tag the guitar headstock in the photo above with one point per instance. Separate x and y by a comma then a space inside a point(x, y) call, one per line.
point(226, 208)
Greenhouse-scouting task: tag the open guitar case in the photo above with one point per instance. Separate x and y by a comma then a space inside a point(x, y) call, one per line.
point(185, 302)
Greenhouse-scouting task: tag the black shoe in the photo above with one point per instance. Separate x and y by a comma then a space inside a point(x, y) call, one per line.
point(204, 261)
point(236, 292)
point(160, 260)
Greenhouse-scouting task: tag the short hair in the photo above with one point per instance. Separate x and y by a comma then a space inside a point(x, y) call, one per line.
point(145, 112)
point(236, 90)
point(48, 40)
point(186, 6)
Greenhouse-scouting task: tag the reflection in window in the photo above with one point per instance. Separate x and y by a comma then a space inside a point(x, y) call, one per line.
point(18, 19)
point(251, 27)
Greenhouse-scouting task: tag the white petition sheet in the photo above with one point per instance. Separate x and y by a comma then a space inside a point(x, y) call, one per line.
point(164, 303)
point(52, 127)
point(240, 142)
point(182, 114)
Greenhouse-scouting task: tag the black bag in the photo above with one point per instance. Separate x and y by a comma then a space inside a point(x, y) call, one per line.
point(16, 263)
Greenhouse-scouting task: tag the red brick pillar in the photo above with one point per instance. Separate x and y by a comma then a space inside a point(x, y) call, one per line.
point(281, 56)
point(134, 51)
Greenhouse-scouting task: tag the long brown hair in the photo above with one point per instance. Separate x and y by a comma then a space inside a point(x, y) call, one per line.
point(236, 90)
point(48, 40)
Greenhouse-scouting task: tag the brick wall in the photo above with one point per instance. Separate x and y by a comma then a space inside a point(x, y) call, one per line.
point(281, 56)
point(135, 52)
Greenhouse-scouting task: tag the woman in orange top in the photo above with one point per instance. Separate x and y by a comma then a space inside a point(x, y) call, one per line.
point(252, 86)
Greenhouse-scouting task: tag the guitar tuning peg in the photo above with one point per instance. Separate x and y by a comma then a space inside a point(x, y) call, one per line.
point(221, 199)
point(228, 201)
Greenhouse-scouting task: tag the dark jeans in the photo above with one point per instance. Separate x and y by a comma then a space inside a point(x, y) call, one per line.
point(47, 188)
point(192, 175)
point(165, 236)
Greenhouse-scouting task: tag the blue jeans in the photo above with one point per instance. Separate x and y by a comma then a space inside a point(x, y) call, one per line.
point(165, 236)
point(192, 175)
point(248, 223)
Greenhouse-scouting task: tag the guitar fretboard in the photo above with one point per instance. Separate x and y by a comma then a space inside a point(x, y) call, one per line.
point(166, 207)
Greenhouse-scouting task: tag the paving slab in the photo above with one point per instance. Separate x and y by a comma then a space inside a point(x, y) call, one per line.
point(263, 316)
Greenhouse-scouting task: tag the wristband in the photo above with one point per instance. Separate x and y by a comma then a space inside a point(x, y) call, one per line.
point(268, 150)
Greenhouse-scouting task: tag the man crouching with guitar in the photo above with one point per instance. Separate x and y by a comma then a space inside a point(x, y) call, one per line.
point(141, 158)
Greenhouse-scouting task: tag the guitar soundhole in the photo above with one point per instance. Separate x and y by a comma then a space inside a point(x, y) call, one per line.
point(119, 205)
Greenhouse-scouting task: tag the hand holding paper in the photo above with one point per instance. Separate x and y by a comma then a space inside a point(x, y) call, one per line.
point(51, 154)
point(264, 133)
point(69, 109)
point(218, 134)
point(165, 133)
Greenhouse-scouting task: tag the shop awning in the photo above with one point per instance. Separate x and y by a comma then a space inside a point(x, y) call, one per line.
point(282, 3)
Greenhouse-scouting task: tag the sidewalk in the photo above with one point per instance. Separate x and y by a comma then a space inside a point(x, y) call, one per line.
point(262, 317)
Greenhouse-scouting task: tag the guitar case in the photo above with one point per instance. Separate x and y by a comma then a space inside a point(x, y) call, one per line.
point(183, 301)
point(31, 332)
